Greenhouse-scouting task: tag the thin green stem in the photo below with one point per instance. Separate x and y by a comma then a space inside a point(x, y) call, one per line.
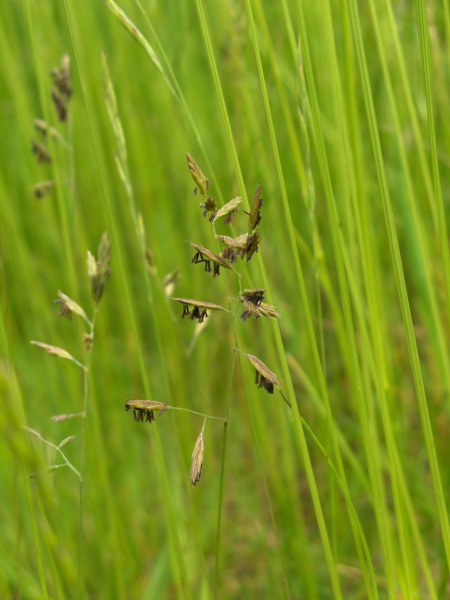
point(194, 412)
point(83, 452)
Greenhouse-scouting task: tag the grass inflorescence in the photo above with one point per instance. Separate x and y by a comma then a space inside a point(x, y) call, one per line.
point(254, 403)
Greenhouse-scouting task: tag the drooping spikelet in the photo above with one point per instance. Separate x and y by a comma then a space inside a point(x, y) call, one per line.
point(143, 409)
point(197, 459)
point(200, 308)
point(203, 255)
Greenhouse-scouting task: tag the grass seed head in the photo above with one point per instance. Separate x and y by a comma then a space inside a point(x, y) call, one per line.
point(69, 306)
point(61, 78)
point(258, 310)
point(99, 270)
point(228, 210)
point(251, 246)
point(199, 308)
point(209, 206)
point(218, 261)
point(60, 105)
point(197, 459)
point(198, 176)
point(55, 350)
point(143, 409)
point(41, 152)
point(254, 217)
point(42, 189)
point(253, 295)
point(264, 376)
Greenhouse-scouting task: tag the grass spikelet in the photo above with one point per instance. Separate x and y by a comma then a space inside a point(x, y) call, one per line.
point(228, 210)
point(254, 295)
point(254, 217)
point(41, 152)
point(62, 88)
point(134, 32)
point(265, 378)
point(209, 207)
point(258, 310)
point(251, 246)
point(197, 459)
point(143, 409)
point(217, 260)
point(198, 176)
point(69, 306)
point(99, 270)
point(42, 189)
point(200, 308)
point(56, 351)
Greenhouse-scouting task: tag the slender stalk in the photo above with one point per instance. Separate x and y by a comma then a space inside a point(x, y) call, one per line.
point(194, 412)
point(83, 452)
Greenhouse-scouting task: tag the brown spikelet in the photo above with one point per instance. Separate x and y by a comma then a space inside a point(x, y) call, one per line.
point(42, 189)
point(41, 152)
point(199, 308)
point(251, 246)
point(258, 310)
point(254, 295)
point(254, 217)
point(203, 255)
point(264, 377)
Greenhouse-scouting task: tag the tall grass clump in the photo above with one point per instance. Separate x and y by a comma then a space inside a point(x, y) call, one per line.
point(265, 409)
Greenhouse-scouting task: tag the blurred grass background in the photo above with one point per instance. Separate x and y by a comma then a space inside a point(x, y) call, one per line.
point(350, 350)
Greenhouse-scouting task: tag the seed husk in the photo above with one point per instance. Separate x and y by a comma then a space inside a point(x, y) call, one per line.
point(254, 217)
point(230, 208)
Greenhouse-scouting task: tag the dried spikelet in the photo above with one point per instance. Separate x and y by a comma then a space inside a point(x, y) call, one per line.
point(228, 210)
point(61, 78)
point(198, 176)
point(44, 129)
point(254, 217)
point(41, 152)
point(251, 245)
point(217, 260)
point(230, 255)
point(238, 243)
point(258, 310)
point(200, 308)
point(62, 89)
point(234, 247)
point(42, 189)
point(60, 105)
point(265, 378)
point(143, 409)
point(254, 295)
point(197, 459)
point(69, 306)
